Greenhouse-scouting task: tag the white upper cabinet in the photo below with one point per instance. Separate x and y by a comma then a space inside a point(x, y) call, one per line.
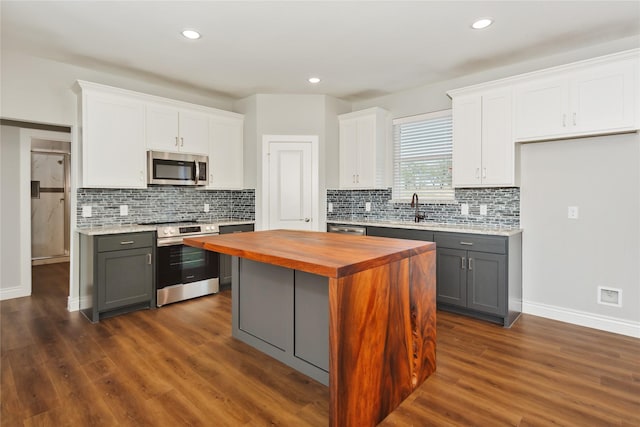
point(483, 149)
point(178, 130)
point(590, 98)
point(363, 145)
point(226, 152)
point(112, 138)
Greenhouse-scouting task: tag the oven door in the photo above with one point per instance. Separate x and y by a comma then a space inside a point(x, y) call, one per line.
point(181, 264)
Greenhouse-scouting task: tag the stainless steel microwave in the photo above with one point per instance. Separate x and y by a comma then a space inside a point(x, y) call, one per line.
point(176, 168)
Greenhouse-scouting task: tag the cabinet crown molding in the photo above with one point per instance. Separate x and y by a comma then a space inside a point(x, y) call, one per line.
point(546, 72)
point(360, 113)
point(84, 86)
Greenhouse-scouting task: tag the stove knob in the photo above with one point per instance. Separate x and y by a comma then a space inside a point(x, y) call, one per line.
point(208, 228)
point(166, 231)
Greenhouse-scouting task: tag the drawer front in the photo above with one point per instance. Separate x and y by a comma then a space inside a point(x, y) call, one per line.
point(401, 233)
point(471, 242)
point(116, 242)
point(227, 229)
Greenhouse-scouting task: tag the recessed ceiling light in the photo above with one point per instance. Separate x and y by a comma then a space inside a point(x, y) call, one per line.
point(191, 34)
point(314, 80)
point(482, 23)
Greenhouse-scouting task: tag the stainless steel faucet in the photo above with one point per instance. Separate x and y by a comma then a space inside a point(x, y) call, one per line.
point(414, 203)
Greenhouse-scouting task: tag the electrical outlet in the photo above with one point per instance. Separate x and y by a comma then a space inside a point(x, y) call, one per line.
point(572, 212)
point(367, 206)
point(483, 209)
point(206, 207)
point(330, 207)
point(86, 211)
point(124, 210)
point(464, 209)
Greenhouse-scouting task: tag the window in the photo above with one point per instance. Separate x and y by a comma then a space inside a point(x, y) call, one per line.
point(422, 156)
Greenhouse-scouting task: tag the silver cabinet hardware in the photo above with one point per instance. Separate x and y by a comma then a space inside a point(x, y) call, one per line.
point(149, 259)
point(357, 178)
point(478, 173)
point(470, 264)
point(484, 172)
point(127, 242)
point(181, 142)
point(467, 243)
point(574, 118)
point(564, 120)
point(307, 219)
point(176, 141)
point(463, 266)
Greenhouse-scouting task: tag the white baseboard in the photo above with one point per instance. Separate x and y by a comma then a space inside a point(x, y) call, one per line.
point(583, 318)
point(73, 304)
point(14, 292)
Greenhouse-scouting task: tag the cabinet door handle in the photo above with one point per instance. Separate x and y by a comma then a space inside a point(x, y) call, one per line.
point(353, 178)
point(467, 243)
point(484, 172)
point(181, 142)
point(176, 141)
point(477, 173)
point(149, 259)
point(127, 242)
point(574, 118)
point(211, 178)
point(464, 264)
point(564, 120)
point(470, 264)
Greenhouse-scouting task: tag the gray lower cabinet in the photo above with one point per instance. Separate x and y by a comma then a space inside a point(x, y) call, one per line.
point(116, 274)
point(284, 313)
point(225, 260)
point(480, 275)
point(401, 233)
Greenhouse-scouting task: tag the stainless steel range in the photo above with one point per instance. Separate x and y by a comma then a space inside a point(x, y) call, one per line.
point(184, 272)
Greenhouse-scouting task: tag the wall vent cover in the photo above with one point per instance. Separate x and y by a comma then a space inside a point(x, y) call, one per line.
point(610, 296)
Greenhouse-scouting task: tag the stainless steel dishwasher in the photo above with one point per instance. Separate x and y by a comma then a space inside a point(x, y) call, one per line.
point(347, 229)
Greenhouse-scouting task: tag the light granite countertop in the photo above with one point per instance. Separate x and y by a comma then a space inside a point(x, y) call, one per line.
point(135, 228)
point(433, 226)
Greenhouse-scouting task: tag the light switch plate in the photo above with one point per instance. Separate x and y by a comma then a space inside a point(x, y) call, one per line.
point(464, 209)
point(86, 211)
point(572, 212)
point(124, 210)
point(330, 207)
point(367, 206)
point(483, 209)
point(206, 207)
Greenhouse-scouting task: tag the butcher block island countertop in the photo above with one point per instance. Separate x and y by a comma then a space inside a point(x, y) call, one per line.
point(381, 310)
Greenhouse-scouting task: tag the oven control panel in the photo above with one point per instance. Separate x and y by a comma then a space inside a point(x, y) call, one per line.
point(186, 230)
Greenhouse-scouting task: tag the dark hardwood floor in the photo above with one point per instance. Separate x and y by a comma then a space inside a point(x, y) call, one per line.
point(179, 366)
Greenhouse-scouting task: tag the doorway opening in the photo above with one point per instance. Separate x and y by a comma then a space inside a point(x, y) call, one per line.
point(50, 201)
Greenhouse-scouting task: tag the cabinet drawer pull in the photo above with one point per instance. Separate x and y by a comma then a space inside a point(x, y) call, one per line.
point(149, 259)
point(464, 264)
point(470, 264)
point(467, 243)
point(127, 242)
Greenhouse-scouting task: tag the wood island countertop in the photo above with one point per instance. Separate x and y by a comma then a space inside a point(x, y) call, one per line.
point(326, 254)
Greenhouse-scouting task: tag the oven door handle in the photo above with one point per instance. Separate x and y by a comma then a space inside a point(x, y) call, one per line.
point(174, 241)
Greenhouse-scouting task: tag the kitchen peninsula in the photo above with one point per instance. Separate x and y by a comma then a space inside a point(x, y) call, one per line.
point(359, 309)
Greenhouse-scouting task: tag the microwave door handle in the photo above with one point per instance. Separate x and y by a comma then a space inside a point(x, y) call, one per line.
point(197, 171)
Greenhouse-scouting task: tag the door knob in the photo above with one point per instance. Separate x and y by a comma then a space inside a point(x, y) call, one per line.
point(307, 219)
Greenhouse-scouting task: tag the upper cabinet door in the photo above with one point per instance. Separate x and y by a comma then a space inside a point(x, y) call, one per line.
point(467, 140)
point(194, 132)
point(162, 128)
point(177, 130)
point(497, 139)
point(541, 108)
point(602, 98)
point(226, 154)
point(113, 150)
point(348, 153)
point(366, 157)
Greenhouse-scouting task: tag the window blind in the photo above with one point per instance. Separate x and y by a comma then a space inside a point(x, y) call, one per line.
point(422, 157)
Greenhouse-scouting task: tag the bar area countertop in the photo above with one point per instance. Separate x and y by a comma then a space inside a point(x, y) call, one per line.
point(375, 313)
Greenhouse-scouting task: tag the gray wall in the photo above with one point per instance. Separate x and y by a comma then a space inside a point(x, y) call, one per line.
point(566, 260)
point(9, 207)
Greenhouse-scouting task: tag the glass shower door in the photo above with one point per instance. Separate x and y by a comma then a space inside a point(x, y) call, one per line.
point(49, 199)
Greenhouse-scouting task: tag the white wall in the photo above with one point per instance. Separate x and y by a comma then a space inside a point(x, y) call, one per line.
point(11, 241)
point(267, 114)
point(566, 260)
point(41, 90)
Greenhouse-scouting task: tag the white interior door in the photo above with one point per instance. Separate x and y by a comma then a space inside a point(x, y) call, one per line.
point(290, 186)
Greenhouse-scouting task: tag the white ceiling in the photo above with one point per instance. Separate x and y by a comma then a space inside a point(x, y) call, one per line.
point(360, 49)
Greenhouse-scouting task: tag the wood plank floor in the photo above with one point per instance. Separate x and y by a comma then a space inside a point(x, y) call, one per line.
point(179, 366)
